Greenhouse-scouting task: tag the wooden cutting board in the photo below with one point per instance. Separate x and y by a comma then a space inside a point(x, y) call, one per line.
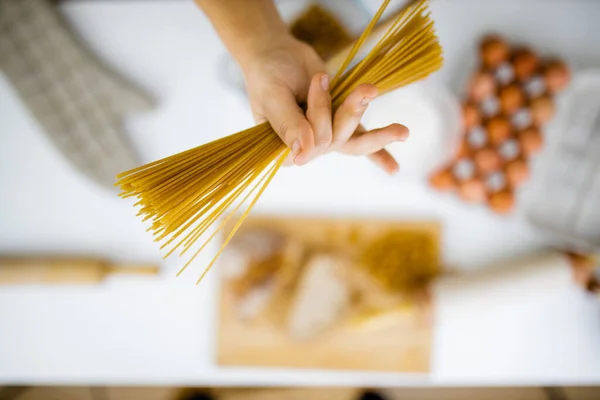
point(404, 345)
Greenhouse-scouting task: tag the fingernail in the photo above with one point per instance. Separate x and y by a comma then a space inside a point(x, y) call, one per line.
point(295, 148)
point(325, 82)
point(403, 136)
point(365, 101)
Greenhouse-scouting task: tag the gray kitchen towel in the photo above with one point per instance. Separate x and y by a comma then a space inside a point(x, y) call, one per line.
point(77, 100)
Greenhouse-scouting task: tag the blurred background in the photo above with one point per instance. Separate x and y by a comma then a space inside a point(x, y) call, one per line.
point(473, 273)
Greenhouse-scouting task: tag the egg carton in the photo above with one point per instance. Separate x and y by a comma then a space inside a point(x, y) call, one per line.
point(77, 101)
point(508, 101)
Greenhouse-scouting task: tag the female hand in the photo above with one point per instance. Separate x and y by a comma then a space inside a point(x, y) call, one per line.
point(286, 72)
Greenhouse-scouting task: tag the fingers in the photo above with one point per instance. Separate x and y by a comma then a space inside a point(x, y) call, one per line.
point(348, 115)
point(258, 117)
point(288, 120)
point(385, 161)
point(375, 140)
point(315, 133)
point(318, 112)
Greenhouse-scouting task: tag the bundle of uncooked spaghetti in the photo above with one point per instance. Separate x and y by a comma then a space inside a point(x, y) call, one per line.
point(184, 195)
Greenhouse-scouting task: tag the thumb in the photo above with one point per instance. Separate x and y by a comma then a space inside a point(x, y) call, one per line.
point(288, 120)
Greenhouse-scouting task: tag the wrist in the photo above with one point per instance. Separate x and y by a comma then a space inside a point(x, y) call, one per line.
point(247, 28)
point(254, 47)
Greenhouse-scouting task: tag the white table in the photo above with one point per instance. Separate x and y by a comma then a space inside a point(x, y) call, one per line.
point(161, 331)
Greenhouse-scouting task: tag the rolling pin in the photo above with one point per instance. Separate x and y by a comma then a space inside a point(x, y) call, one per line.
point(519, 278)
point(27, 270)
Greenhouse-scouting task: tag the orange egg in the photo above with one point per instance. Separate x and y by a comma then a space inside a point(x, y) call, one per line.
point(443, 180)
point(494, 51)
point(557, 76)
point(499, 129)
point(472, 191)
point(583, 269)
point(487, 160)
point(511, 99)
point(482, 86)
point(531, 141)
point(463, 150)
point(471, 116)
point(526, 63)
point(542, 110)
point(502, 202)
point(517, 172)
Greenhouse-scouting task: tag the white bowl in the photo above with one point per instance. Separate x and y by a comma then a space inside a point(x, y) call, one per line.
point(433, 116)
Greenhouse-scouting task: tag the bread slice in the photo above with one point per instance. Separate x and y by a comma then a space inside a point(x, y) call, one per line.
point(321, 297)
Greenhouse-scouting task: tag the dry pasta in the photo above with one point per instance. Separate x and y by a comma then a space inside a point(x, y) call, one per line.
point(185, 194)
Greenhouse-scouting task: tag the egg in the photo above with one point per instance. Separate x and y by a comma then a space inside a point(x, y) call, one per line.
point(525, 63)
point(494, 51)
point(511, 99)
point(499, 129)
point(517, 172)
point(583, 269)
point(531, 141)
point(443, 180)
point(482, 86)
point(542, 110)
point(471, 116)
point(472, 191)
point(487, 160)
point(464, 150)
point(502, 202)
point(556, 75)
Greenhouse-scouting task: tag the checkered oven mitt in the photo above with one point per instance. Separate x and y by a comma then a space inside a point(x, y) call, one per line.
point(78, 101)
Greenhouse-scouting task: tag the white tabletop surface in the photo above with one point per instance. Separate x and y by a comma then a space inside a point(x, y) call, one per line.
point(161, 330)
